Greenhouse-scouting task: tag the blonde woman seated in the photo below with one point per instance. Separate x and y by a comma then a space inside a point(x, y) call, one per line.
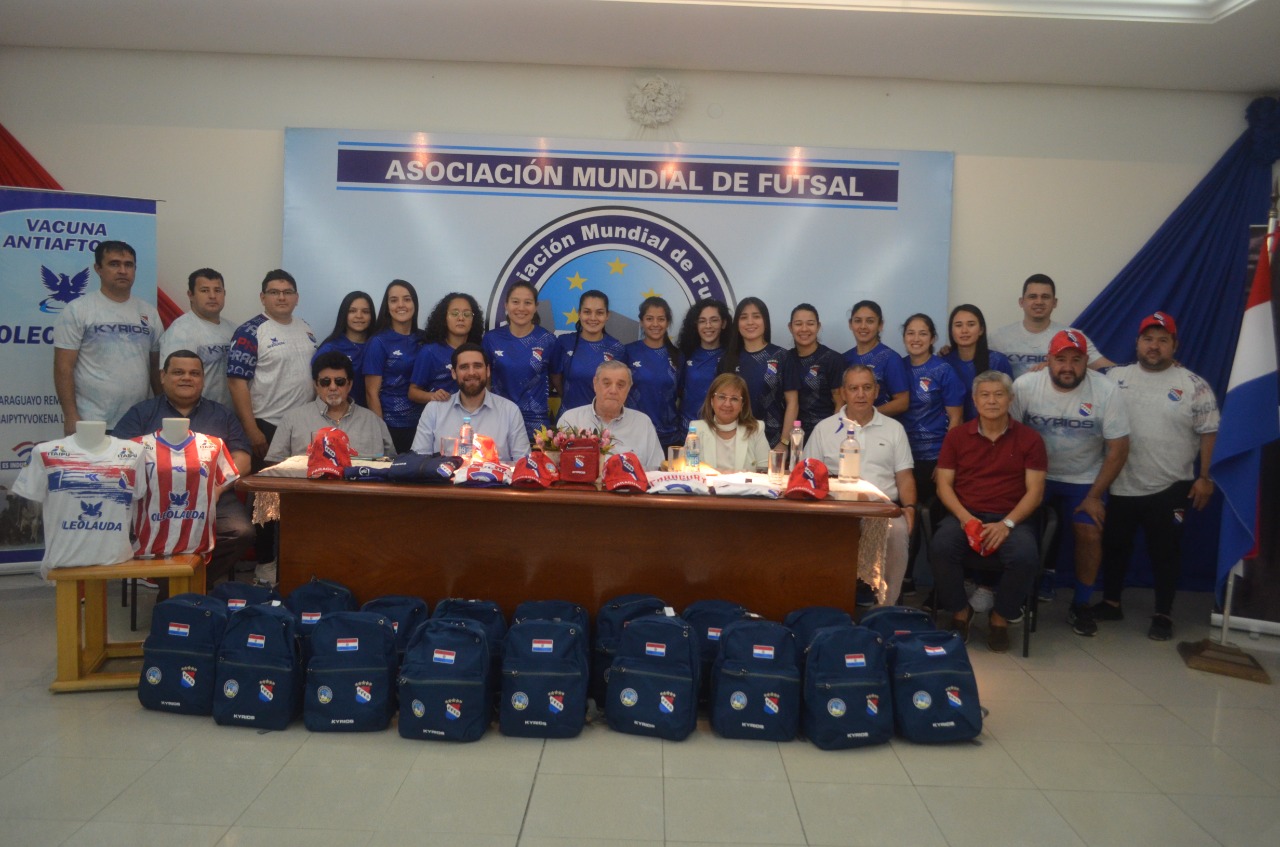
point(731, 439)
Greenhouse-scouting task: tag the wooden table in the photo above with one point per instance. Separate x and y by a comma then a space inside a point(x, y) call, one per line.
point(576, 544)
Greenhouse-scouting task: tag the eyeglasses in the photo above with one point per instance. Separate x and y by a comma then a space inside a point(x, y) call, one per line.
point(280, 292)
point(454, 313)
point(710, 321)
point(728, 398)
point(326, 381)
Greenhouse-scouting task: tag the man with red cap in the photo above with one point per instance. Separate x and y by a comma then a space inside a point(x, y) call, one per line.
point(1081, 417)
point(1178, 424)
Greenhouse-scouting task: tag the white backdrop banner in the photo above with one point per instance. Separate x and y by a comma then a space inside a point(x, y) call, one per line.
point(47, 240)
point(684, 221)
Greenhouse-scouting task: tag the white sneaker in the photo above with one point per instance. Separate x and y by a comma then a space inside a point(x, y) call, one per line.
point(265, 573)
point(983, 599)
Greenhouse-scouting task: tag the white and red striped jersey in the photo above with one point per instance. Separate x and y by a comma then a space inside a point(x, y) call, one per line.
point(177, 512)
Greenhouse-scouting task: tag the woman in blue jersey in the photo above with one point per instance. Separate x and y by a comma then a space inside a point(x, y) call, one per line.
point(936, 396)
point(581, 352)
point(655, 372)
point(821, 369)
point(523, 356)
point(388, 361)
point(968, 353)
point(349, 337)
point(701, 344)
point(769, 371)
point(455, 320)
point(866, 320)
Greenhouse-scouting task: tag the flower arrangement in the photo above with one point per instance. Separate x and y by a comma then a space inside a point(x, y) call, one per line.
point(553, 440)
point(654, 101)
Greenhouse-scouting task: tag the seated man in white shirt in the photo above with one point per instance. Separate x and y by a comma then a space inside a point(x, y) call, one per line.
point(491, 415)
point(631, 429)
point(885, 458)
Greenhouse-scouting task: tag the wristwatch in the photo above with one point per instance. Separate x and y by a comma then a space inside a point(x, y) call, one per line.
point(1008, 523)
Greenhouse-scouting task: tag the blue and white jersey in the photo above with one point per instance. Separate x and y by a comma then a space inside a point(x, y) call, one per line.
point(655, 380)
point(520, 370)
point(769, 373)
point(88, 499)
point(1075, 425)
point(276, 360)
point(393, 357)
point(696, 376)
point(577, 362)
point(433, 369)
point(353, 350)
point(114, 342)
point(211, 342)
point(966, 371)
point(891, 376)
point(1026, 349)
point(934, 387)
point(821, 372)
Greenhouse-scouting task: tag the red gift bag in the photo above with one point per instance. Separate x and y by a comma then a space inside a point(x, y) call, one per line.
point(580, 460)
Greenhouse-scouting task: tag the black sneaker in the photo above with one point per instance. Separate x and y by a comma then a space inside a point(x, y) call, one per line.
point(1047, 587)
point(1104, 611)
point(1161, 628)
point(866, 597)
point(1080, 616)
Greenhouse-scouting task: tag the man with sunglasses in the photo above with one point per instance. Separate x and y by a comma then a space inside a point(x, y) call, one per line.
point(332, 406)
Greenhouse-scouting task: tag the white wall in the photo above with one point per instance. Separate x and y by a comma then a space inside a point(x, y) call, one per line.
point(1065, 181)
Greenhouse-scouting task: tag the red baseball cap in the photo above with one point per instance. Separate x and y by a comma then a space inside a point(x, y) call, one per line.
point(624, 472)
point(1068, 339)
point(808, 480)
point(1158, 319)
point(328, 453)
point(535, 470)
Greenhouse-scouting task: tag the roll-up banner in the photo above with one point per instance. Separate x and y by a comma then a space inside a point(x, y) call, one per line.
point(47, 240)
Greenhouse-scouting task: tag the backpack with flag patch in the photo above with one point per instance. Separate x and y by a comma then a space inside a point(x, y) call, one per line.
point(311, 600)
point(612, 618)
point(755, 682)
point(485, 612)
point(351, 673)
point(259, 680)
point(556, 610)
point(708, 619)
point(807, 621)
point(935, 694)
point(896, 621)
point(446, 682)
point(237, 595)
point(544, 681)
point(405, 613)
point(652, 685)
point(180, 654)
point(847, 696)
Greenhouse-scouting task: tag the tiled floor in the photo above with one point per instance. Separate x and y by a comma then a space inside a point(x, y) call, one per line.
point(1103, 741)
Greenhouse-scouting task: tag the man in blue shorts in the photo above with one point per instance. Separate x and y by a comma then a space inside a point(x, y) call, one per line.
point(1081, 417)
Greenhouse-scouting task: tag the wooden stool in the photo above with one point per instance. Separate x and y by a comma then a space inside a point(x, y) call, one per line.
point(82, 640)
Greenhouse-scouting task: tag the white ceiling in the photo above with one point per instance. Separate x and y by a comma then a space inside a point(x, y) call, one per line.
point(1238, 53)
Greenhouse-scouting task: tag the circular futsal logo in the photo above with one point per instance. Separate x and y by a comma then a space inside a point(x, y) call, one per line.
point(628, 253)
point(419, 708)
point(921, 700)
point(231, 689)
point(738, 700)
point(629, 697)
point(153, 676)
point(836, 707)
point(519, 701)
point(325, 695)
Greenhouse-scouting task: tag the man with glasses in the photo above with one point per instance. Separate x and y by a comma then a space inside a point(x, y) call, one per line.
point(269, 373)
point(331, 407)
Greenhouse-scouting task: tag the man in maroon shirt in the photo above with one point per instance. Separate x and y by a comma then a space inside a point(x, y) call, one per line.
point(990, 474)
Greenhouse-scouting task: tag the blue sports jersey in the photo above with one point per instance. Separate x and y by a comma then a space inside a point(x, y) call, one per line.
point(821, 372)
point(769, 373)
point(655, 380)
point(433, 369)
point(891, 376)
point(696, 376)
point(966, 371)
point(577, 361)
point(391, 356)
point(934, 387)
point(521, 368)
point(353, 350)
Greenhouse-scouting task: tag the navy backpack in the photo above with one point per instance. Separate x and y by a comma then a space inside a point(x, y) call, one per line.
point(446, 683)
point(896, 621)
point(755, 682)
point(807, 621)
point(612, 618)
point(935, 694)
point(848, 701)
point(405, 613)
point(653, 683)
point(351, 673)
point(259, 680)
point(544, 680)
point(237, 595)
point(311, 600)
point(180, 654)
point(487, 614)
point(708, 619)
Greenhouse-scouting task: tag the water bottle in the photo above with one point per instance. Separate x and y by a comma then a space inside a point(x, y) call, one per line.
point(692, 451)
point(797, 446)
point(466, 437)
point(850, 455)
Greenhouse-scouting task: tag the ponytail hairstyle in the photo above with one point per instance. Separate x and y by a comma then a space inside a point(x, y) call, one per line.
point(597, 294)
point(928, 322)
point(673, 352)
point(873, 306)
point(981, 352)
point(533, 289)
